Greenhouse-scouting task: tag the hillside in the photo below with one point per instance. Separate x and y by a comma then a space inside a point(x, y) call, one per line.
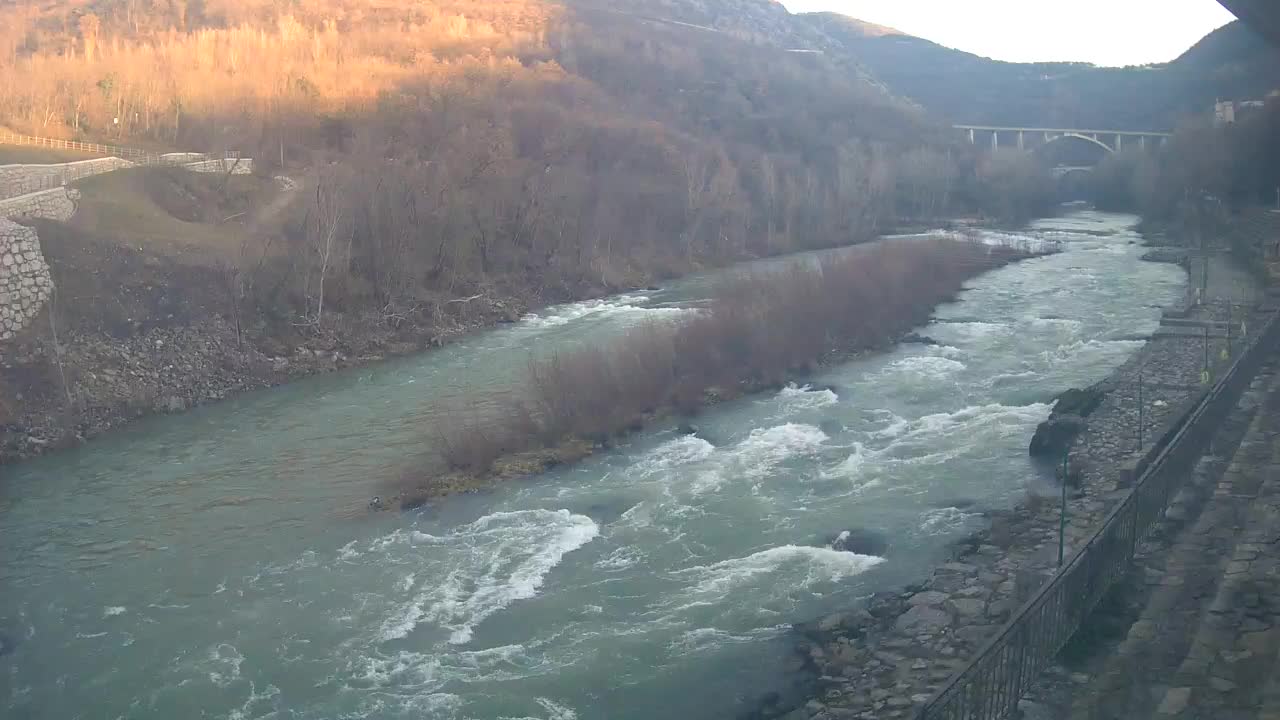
point(1230, 63)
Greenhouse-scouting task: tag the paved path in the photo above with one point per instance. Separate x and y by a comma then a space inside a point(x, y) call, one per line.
point(1204, 598)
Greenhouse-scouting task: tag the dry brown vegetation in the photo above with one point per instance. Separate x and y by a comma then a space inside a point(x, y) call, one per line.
point(760, 329)
point(457, 148)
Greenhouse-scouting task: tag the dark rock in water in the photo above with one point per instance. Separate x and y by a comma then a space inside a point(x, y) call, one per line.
point(831, 427)
point(7, 644)
point(1055, 436)
point(687, 429)
point(1078, 402)
point(917, 339)
point(860, 542)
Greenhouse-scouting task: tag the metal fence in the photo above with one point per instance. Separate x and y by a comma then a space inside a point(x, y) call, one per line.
point(989, 687)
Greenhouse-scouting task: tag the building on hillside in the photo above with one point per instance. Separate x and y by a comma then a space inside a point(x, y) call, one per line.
point(1228, 112)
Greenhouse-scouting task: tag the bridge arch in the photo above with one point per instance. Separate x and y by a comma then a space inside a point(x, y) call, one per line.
point(1077, 136)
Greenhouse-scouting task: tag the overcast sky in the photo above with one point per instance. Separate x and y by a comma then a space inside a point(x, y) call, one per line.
point(1105, 32)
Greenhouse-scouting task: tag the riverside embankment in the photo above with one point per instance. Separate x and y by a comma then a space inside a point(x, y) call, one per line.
point(213, 558)
point(885, 659)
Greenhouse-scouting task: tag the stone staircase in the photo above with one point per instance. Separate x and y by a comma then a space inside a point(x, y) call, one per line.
point(1204, 642)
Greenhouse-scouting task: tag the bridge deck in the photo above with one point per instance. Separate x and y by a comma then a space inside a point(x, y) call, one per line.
point(1065, 131)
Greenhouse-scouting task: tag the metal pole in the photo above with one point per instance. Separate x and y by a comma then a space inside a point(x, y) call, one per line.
point(1206, 352)
point(1141, 409)
point(1062, 522)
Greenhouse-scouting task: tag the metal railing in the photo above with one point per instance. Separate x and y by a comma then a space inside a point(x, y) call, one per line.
point(990, 685)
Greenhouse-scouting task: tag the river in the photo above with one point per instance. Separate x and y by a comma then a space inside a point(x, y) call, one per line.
point(219, 563)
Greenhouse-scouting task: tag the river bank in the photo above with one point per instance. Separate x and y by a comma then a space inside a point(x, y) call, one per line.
point(885, 658)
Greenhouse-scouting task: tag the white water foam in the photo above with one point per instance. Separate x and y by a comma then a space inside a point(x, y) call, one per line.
point(224, 662)
point(944, 521)
point(819, 564)
point(795, 398)
point(509, 555)
point(113, 610)
point(925, 367)
point(674, 453)
point(1002, 418)
point(765, 448)
point(623, 307)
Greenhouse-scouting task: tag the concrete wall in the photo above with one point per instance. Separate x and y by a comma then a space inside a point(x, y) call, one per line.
point(25, 283)
point(55, 204)
point(22, 179)
point(237, 166)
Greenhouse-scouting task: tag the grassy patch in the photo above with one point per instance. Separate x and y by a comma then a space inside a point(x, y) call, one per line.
point(201, 218)
point(26, 155)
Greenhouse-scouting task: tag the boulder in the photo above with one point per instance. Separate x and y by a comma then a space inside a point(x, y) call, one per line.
point(1055, 436)
point(1080, 402)
point(931, 598)
point(922, 618)
point(687, 429)
point(917, 339)
point(860, 542)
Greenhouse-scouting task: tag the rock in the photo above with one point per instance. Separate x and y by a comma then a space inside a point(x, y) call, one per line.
point(1222, 684)
point(1175, 701)
point(923, 618)
point(687, 429)
point(968, 609)
point(1055, 436)
point(917, 339)
point(1078, 402)
point(930, 598)
point(860, 542)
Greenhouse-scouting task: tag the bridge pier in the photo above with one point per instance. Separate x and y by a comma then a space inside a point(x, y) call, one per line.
point(995, 139)
point(1021, 143)
point(971, 140)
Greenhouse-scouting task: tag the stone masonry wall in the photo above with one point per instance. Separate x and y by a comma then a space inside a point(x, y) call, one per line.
point(25, 283)
point(23, 179)
point(55, 204)
point(237, 166)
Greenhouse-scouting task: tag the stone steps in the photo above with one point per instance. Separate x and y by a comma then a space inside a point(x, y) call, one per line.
point(1231, 671)
point(1208, 647)
point(1180, 573)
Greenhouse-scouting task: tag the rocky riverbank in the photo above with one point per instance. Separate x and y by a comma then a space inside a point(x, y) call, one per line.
point(88, 382)
point(885, 658)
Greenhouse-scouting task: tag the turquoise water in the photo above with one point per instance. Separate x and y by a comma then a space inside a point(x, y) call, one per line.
point(221, 563)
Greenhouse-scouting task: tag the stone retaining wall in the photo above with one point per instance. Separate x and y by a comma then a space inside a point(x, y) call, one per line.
point(236, 166)
point(25, 283)
point(24, 179)
point(55, 204)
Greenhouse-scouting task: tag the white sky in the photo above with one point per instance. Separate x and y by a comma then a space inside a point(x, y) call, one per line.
point(1104, 32)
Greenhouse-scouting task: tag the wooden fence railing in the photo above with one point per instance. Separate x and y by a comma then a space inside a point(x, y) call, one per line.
point(990, 685)
point(133, 154)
